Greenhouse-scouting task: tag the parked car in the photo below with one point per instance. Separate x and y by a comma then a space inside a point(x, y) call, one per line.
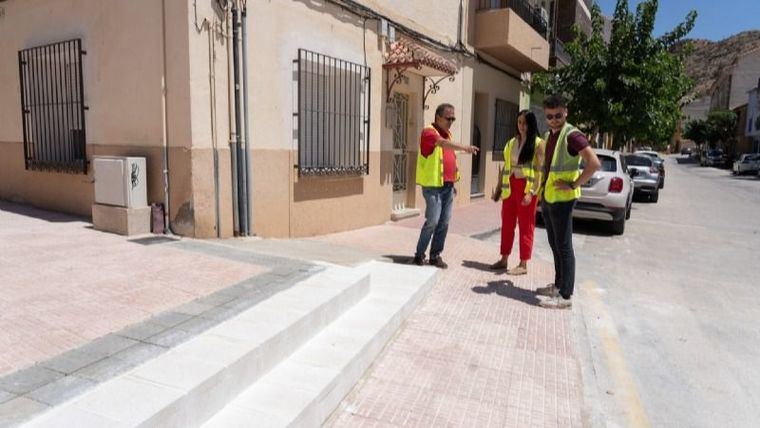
point(686, 151)
point(713, 157)
point(646, 178)
point(747, 163)
point(660, 162)
point(608, 195)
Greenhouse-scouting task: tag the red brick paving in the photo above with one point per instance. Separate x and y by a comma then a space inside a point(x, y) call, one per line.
point(63, 285)
point(471, 219)
point(476, 352)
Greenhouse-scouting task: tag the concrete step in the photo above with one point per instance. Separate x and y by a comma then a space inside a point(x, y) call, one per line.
point(192, 382)
point(308, 386)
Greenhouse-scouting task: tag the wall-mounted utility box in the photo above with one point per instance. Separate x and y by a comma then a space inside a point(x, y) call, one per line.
point(120, 181)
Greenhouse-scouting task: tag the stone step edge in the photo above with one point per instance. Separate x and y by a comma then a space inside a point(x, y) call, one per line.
point(206, 372)
point(305, 389)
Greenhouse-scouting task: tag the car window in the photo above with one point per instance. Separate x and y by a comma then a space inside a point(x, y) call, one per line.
point(609, 164)
point(638, 160)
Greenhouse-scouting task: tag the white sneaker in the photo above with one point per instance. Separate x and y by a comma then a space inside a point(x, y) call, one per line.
point(550, 291)
point(556, 302)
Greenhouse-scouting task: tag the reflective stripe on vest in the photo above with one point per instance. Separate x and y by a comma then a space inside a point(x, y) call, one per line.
point(564, 167)
point(429, 172)
point(528, 170)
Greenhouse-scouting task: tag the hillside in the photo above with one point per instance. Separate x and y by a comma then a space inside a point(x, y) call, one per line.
point(709, 58)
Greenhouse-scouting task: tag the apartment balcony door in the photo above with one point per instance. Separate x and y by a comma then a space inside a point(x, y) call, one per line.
point(400, 152)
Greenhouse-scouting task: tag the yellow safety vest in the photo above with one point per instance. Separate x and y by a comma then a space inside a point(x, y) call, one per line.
point(564, 168)
point(430, 168)
point(530, 170)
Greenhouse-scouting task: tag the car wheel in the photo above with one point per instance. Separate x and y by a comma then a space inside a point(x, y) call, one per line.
point(628, 211)
point(662, 183)
point(654, 196)
point(618, 226)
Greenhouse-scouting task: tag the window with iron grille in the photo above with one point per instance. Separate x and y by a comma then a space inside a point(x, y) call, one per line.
point(52, 107)
point(505, 124)
point(333, 115)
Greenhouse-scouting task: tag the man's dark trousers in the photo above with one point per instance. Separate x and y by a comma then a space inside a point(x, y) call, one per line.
point(558, 218)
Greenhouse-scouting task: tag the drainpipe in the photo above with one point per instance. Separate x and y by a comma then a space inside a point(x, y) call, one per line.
point(241, 180)
point(210, 27)
point(164, 124)
point(233, 136)
point(248, 140)
point(459, 26)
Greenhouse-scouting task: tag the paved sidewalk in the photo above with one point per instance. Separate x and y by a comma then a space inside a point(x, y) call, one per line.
point(63, 284)
point(478, 352)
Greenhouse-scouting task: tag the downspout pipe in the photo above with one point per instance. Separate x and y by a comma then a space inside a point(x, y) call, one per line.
point(241, 180)
point(233, 136)
point(246, 120)
point(164, 123)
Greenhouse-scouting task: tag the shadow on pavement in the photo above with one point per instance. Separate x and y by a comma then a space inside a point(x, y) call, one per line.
point(506, 288)
point(400, 260)
point(29, 211)
point(744, 177)
point(486, 267)
point(586, 227)
point(688, 160)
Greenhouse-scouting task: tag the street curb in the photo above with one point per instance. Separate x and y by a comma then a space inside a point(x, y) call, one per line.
point(592, 412)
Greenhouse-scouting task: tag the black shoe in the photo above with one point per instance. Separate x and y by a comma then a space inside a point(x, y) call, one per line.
point(419, 261)
point(439, 263)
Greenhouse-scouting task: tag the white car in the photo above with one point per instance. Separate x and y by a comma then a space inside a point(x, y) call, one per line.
point(608, 195)
point(747, 163)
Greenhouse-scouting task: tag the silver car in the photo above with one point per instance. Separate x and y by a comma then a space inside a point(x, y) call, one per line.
point(646, 176)
point(608, 195)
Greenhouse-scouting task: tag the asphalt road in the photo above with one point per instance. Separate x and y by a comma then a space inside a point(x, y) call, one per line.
point(668, 314)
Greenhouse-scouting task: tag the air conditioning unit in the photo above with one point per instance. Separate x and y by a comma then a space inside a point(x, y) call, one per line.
point(120, 181)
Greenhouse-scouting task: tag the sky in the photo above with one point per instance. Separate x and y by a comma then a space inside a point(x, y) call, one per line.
point(716, 19)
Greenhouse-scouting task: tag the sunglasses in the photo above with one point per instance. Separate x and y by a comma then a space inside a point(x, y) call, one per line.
point(450, 119)
point(554, 116)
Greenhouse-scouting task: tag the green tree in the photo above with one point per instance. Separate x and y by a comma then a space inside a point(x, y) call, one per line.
point(630, 87)
point(722, 129)
point(718, 129)
point(698, 130)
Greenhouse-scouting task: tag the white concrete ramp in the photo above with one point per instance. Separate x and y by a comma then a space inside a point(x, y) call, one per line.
point(288, 361)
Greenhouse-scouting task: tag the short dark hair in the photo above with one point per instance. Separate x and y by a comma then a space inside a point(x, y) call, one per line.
point(441, 108)
point(555, 101)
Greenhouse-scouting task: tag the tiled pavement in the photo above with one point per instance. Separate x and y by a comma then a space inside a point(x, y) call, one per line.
point(176, 289)
point(478, 352)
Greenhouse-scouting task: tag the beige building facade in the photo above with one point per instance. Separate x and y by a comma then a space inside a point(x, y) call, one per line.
point(336, 91)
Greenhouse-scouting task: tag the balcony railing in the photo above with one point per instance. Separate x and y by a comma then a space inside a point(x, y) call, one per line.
point(530, 14)
point(558, 52)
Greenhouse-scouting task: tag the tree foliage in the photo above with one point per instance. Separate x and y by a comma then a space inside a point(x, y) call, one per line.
point(719, 127)
point(630, 87)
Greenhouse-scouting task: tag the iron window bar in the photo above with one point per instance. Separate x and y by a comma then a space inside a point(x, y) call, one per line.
point(332, 115)
point(505, 124)
point(52, 107)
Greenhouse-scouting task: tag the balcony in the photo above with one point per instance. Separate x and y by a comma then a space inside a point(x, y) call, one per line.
point(513, 32)
point(558, 56)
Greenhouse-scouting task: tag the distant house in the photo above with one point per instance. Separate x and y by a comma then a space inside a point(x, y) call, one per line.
point(696, 109)
point(752, 124)
point(729, 90)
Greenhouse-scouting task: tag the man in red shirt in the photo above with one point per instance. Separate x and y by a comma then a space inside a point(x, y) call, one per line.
point(437, 183)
